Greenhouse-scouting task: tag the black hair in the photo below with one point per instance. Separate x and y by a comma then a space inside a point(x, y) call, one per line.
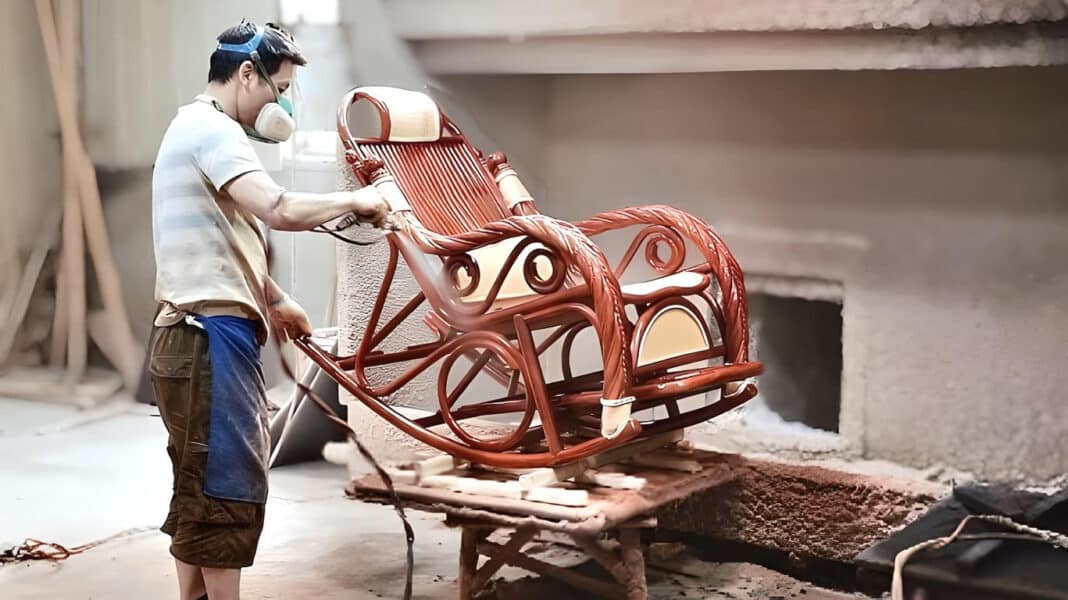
point(276, 47)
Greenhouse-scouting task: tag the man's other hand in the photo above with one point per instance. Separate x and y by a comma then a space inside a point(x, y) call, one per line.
point(370, 207)
point(289, 321)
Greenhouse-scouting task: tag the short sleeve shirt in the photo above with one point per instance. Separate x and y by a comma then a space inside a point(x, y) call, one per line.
point(210, 253)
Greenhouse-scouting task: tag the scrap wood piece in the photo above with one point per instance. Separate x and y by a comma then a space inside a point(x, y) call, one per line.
point(505, 489)
point(666, 461)
point(531, 478)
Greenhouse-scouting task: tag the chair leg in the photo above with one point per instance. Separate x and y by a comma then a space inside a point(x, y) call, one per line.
point(536, 384)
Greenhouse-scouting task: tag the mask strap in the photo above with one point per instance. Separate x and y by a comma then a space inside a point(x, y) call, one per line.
point(251, 49)
point(255, 56)
point(246, 48)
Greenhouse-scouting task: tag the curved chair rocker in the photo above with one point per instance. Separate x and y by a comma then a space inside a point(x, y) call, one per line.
point(493, 271)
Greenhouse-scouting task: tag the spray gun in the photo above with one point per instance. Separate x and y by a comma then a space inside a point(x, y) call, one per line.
point(351, 221)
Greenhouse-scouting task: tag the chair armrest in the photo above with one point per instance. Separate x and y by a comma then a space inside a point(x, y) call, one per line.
point(721, 261)
point(569, 248)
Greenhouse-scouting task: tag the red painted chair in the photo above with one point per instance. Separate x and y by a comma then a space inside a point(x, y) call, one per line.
point(505, 287)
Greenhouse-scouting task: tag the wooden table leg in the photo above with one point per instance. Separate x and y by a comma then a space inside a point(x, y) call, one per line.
point(631, 542)
point(469, 538)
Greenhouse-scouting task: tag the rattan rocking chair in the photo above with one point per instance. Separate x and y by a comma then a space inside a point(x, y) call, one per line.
point(492, 272)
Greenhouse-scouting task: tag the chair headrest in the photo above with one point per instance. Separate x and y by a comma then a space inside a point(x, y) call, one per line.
point(407, 116)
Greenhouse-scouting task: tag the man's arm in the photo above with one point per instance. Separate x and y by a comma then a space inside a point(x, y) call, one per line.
point(298, 211)
point(275, 295)
point(288, 319)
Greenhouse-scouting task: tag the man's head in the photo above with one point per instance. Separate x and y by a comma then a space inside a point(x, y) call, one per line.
point(278, 54)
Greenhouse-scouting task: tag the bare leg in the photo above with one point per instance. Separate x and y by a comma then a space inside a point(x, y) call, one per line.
point(190, 581)
point(222, 584)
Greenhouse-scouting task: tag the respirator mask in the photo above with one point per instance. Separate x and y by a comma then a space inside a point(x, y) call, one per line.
point(275, 122)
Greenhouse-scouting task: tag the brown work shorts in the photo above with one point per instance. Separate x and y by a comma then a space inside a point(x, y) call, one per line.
point(205, 531)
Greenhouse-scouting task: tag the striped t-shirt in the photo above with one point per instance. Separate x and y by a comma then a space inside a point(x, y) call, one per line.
point(207, 247)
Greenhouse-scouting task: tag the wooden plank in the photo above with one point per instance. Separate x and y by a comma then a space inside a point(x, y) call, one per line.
point(537, 478)
point(663, 461)
point(548, 475)
point(435, 466)
point(607, 479)
point(472, 486)
point(69, 323)
point(554, 495)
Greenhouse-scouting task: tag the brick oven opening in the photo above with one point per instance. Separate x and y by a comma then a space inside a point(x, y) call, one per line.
point(796, 326)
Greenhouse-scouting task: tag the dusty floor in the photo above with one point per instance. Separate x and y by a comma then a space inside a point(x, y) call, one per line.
point(73, 485)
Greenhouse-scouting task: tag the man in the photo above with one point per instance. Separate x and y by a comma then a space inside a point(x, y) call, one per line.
point(218, 304)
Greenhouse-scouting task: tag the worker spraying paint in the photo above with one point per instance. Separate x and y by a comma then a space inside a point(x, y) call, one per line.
point(218, 305)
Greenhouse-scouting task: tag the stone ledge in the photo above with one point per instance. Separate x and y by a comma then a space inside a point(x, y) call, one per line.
point(809, 511)
point(932, 48)
point(423, 19)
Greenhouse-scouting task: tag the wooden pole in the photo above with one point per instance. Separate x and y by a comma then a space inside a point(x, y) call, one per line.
point(57, 345)
point(69, 325)
point(128, 361)
point(10, 269)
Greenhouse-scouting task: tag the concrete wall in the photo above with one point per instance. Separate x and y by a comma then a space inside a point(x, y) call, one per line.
point(142, 61)
point(935, 198)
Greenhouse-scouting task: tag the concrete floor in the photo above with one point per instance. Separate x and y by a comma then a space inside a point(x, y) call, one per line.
point(76, 484)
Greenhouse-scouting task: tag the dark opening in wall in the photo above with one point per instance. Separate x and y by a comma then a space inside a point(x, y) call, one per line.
point(796, 327)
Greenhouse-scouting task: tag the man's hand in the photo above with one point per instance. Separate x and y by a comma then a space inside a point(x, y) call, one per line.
point(289, 321)
point(370, 207)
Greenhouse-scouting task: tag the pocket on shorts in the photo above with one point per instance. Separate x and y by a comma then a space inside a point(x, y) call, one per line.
point(229, 512)
point(171, 366)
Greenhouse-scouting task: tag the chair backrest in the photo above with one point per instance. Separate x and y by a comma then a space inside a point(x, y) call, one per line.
point(440, 173)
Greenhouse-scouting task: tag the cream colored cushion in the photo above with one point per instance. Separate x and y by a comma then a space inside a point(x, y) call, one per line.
point(684, 279)
point(413, 116)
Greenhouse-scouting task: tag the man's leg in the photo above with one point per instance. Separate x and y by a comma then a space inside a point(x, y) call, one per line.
point(223, 584)
point(190, 581)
